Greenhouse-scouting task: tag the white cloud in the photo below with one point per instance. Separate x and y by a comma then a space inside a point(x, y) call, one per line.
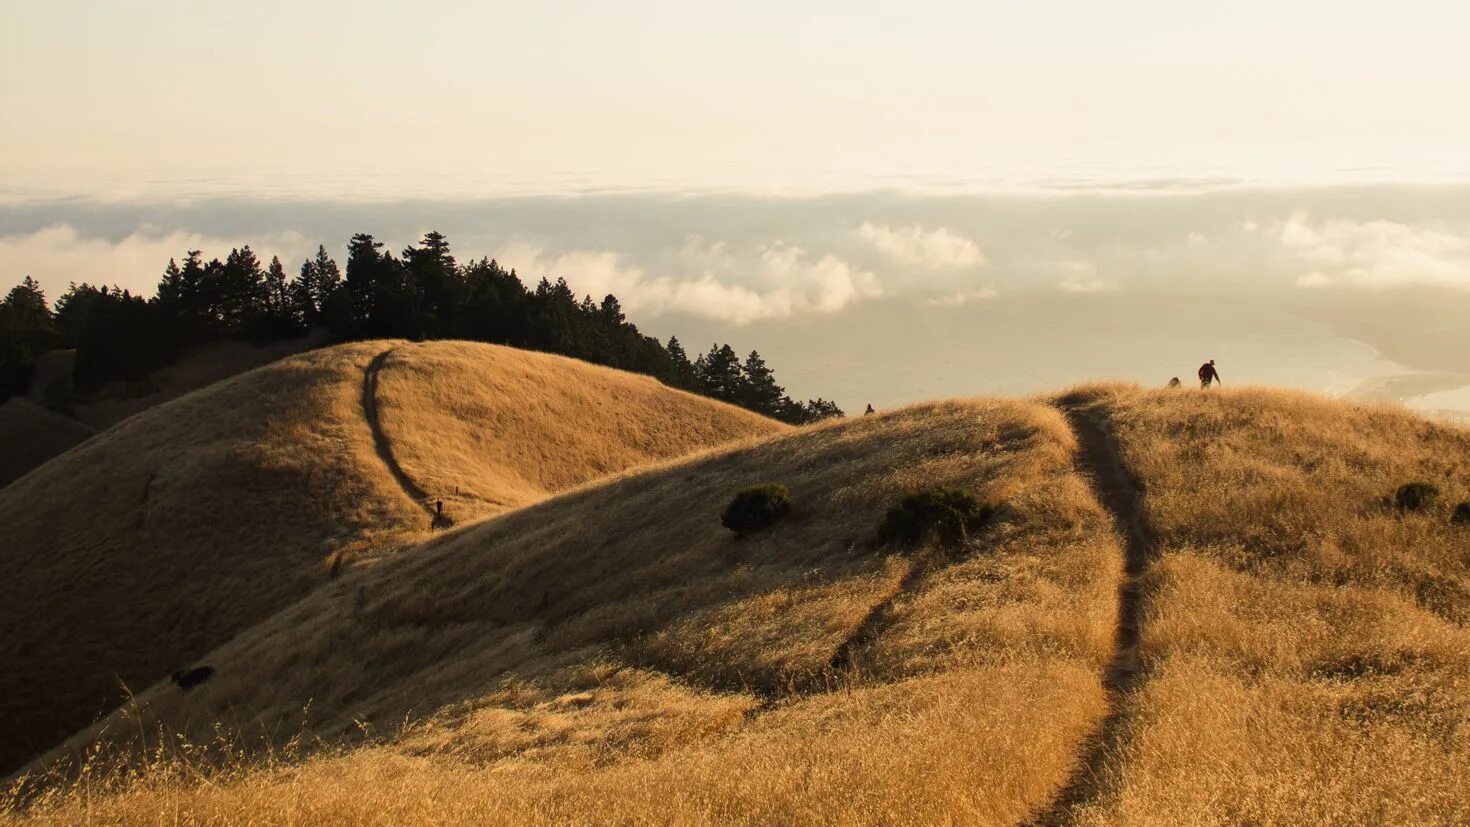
point(777, 280)
point(1087, 285)
point(60, 254)
point(1375, 253)
point(964, 298)
point(916, 246)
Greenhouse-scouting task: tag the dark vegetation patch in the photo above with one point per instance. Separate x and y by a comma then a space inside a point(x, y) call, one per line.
point(1416, 496)
point(756, 508)
point(187, 679)
point(1461, 515)
point(941, 515)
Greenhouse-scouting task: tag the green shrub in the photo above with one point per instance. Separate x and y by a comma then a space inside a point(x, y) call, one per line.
point(943, 514)
point(756, 508)
point(1462, 514)
point(1416, 496)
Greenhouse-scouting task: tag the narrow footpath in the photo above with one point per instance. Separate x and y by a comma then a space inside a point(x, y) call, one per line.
point(1099, 461)
point(380, 439)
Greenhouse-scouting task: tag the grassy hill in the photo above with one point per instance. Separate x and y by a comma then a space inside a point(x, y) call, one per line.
point(1188, 608)
point(30, 435)
point(171, 532)
point(617, 641)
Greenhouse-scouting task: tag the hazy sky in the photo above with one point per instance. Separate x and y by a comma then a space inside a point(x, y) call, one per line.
point(893, 201)
point(347, 99)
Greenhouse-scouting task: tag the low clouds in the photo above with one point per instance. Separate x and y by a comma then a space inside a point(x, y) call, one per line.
point(745, 259)
point(961, 299)
point(920, 247)
point(59, 254)
point(1375, 253)
point(708, 279)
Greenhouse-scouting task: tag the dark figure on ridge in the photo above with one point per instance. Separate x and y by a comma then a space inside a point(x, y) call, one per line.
point(1208, 374)
point(869, 410)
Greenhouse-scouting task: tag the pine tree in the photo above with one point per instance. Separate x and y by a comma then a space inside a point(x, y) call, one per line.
point(721, 376)
point(683, 370)
point(27, 330)
point(760, 392)
point(328, 276)
point(243, 290)
point(433, 276)
point(278, 296)
point(304, 292)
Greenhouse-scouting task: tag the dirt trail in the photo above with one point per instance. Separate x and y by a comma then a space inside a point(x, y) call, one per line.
point(380, 439)
point(878, 617)
point(1098, 459)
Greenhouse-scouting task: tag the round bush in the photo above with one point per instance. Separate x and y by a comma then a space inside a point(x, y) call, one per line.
point(756, 508)
point(944, 514)
point(1462, 514)
point(1416, 496)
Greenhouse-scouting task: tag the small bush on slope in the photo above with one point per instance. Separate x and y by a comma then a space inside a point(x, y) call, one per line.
point(756, 508)
point(943, 514)
point(1462, 514)
point(1416, 496)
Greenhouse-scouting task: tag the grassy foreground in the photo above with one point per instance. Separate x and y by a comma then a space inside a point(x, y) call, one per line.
point(616, 650)
point(612, 655)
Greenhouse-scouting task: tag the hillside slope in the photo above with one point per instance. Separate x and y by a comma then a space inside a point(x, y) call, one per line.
point(170, 532)
point(30, 435)
point(1305, 644)
point(617, 647)
point(1291, 646)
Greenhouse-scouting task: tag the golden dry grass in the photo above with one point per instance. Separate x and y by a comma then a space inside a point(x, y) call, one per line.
point(178, 528)
point(614, 655)
point(1305, 643)
point(490, 428)
point(611, 655)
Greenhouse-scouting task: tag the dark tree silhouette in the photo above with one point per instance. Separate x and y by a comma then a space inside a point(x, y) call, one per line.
point(425, 294)
point(27, 330)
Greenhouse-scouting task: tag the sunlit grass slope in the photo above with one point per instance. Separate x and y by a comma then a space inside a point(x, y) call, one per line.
point(1305, 643)
point(162, 537)
point(615, 654)
point(489, 428)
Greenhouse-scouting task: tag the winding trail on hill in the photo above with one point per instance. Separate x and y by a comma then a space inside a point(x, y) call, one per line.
point(380, 439)
point(1098, 460)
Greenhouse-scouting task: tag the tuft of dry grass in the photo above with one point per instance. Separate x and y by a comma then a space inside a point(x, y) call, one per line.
point(613, 654)
point(160, 538)
point(1306, 653)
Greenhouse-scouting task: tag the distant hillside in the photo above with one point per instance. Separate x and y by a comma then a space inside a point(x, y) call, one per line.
point(167, 534)
point(1189, 607)
point(617, 647)
point(30, 435)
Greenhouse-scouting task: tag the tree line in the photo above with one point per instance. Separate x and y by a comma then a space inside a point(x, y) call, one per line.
point(423, 293)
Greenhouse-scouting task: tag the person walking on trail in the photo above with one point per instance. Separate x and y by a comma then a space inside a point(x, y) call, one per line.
point(1208, 375)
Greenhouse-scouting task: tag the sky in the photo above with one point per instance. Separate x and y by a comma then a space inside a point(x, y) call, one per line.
point(892, 201)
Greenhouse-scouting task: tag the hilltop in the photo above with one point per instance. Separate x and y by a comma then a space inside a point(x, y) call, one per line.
point(178, 528)
point(1185, 607)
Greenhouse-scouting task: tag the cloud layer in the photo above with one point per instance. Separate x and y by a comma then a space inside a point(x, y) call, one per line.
point(929, 249)
point(747, 259)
